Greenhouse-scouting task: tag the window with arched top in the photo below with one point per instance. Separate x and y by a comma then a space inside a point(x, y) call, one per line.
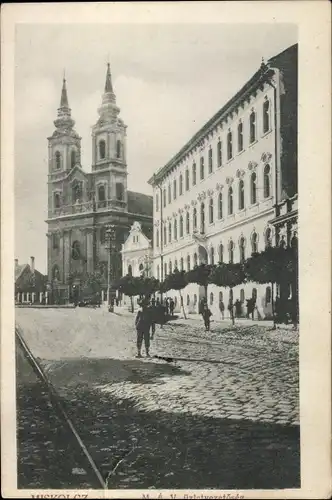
point(102, 149)
point(229, 146)
point(181, 226)
point(242, 249)
point(170, 267)
point(175, 264)
point(57, 160)
point(252, 126)
point(211, 211)
point(231, 252)
point(169, 232)
point(241, 194)
point(188, 263)
point(268, 238)
point(211, 299)
point(210, 161)
point(187, 223)
point(157, 238)
point(55, 273)
point(118, 148)
point(76, 192)
point(195, 259)
point(169, 194)
point(55, 241)
point(76, 250)
point(187, 180)
point(130, 270)
point(253, 188)
point(221, 253)
point(57, 200)
point(194, 173)
point(201, 170)
point(254, 243)
point(221, 297)
point(175, 229)
point(202, 218)
point(181, 185)
point(230, 200)
point(254, 294)
point(220, 207)
point(164, 197)
point(195, 299)
point(195, 219)
point(267, 181)
point(73, 158)
point(240, 137)
point(165, 234)
point(181, 264)
point(101, 195)
point(174, 190)
point(212, 256)
point(188, 300)
point(165, 269)
point(219, 153)
point(242, 297)
point(266, 116)
point(268, 295)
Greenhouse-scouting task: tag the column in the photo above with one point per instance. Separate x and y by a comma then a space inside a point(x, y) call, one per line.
point(33, 297)
point(40, 297)
point(46, 298)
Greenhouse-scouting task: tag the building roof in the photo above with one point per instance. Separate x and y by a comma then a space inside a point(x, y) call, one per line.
point(19, 268)
point(139, 203)
point(260, 75)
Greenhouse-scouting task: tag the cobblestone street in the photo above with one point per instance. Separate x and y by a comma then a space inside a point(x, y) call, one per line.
point(223, 414)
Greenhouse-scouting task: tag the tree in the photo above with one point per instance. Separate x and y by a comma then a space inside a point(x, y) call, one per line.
point(229, 276)
point(176, 281)
point(200, 275)
point(133, 286)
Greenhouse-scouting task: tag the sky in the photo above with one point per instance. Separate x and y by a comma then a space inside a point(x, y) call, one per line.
point(168, 79)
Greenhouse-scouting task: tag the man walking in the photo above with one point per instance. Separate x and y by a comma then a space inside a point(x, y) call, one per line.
point(222, 309)
point(143, 324)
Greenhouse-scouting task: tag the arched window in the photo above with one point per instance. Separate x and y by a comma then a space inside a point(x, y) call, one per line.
point(57, 160)
point(175, 229)
point(221, 297)
point(195, 259)
point(164, 197)
point(102, 235)
point(230, 200)
point(165, 269)
point(212, 256)
point(254, 294)
point(202, 173)
point(118, 148)
point(202, 218)
point(181, 185)
point(221, 253)
point(187, 223)
point(188, 300)
point(253, 188)
point(220, 210)
point(181, 226)
point(266, 116)
point(187, 180)
point(55, 241)
point(101, 195)
point(211, 211)
point(219, 153)
point(169, 232)
point(141, 268)
point(230, 299)
point(169, 194)
point(241, 195)
point(76, 192)
point(229, 145)
point(195, 299)
point(175, 264)
point(254, 244)
point(210, 161)
point(181, 264)
point(157, 238)
point(157, 202)
point(242, 251)
point(268, 238)
point(194, 174)
point(56, 273)
point(195, 219)
point(102, 149)
point(57, 200)
point(242, 298)
point(252, 124)
point(267, 187)
point(119, 191)
point(211, 299)
point(240, 137)
point(170, 267)
point(72, 158)
point(76, 250)
point(231, 252)
point(158, 272)
point(174, 189)
point(165, 234)
point(188, 263)
point(268, 295)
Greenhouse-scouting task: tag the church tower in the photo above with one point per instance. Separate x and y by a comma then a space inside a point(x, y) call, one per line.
point(109, 151)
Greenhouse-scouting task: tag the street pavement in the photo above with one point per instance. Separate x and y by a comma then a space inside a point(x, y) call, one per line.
point(223, 414)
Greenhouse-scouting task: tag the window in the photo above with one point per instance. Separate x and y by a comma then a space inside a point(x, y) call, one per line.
point(165, 234)
point(195, 299)
point(72, 158)
point(242, 295)
point(212, 256)
point(169, 232)
point(230, 200)
point(56, 273)
point(229, 146)
point(187, 223)
point(164, 197)
point(267, 187)
point(210, 161)
point(219, 153)
point(231, 252)
point(221, 253)
point(102, 235)
point(76, 250)
point(165, 269)
point(241, 195)
point(211, 299)
point(57, 200)
point(141, 268)
point(194, 174)
point(240, 137)
point(76, 192)
point(220, 211)
point(187, 180)
point(268, 295)
point(230, 300)
point(253, 188)
point(181, 226)
point(254, 294)
point(157, 238)
point(252, 122)
point(254, 246)
point(268, 238)
point(195, 259)
point(55, 241)
point(188, 300)
point(266, 116)
point(169, 194)
point(211, 210)
point(158, 272)
point(175, 264)
point(57, 160)
point(221, 297)
point(188, 263)
point(102, 149)
point(175, 229)
point(242, 251)
point(202, 168)
point(157, 202)
point(119, 191)
point(170, 267)
point(195, 219)
point(174, 189)
point(181, 185)
point(118, 148)
point(101, 195)
point(181, 264)
point(202, 218)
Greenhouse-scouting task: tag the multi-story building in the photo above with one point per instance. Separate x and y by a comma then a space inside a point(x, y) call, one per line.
point(81, 204)
point(220, 198)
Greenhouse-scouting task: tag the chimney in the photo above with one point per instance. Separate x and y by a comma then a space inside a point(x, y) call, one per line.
point(32, 264)
point(16, 263)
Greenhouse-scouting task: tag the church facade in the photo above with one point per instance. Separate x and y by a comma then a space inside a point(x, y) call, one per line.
point(81, 205)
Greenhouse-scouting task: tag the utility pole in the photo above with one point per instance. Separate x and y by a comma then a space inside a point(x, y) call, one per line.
point(110, 235)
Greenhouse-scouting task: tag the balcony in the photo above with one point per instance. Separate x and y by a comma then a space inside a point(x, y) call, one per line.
point(87, 207)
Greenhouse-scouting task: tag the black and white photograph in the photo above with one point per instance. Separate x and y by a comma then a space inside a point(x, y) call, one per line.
point(157, 290)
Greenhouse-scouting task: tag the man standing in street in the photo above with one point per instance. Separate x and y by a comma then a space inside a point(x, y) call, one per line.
point(143, 324)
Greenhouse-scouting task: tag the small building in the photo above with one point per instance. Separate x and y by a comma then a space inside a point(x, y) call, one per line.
point(30, 284)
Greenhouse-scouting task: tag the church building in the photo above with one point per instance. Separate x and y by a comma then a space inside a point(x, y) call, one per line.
point(81, 205)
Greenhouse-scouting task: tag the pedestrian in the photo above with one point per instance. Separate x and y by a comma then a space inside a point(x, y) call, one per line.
point(143, 324)
point(171, 307)
point(238, 308)
point(116, 301)
point(206, 313)
point(222, 309)
point(167, 306)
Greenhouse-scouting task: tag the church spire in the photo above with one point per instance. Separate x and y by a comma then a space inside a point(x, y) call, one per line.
point(108, 109)
point(108, 83)
point(64, 119)
point(64, 96)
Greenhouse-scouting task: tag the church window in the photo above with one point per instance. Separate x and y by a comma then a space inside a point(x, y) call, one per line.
point(102, 149)
point(188, 263)
point(118, 148)
point(55, 241)
point(157, 202)
point(169, 194)
point(57, 160)
point(73, 158)
point(170, 267)
point(101, 195)
point(165, 234)
point(57, 200)
point(119, 191)
point(195, 259)
point(202, 218)
point(169, 232)
point(76, 250)
point(181, 264)
point(55, 273)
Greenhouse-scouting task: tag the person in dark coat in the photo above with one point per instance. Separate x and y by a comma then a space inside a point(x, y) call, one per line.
point(222, 309)
point(206, 313)
point(143, 325)
point(238, 308)
point(171, 307)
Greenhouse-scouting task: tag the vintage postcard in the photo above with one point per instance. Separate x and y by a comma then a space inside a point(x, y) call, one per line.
point(165, 257)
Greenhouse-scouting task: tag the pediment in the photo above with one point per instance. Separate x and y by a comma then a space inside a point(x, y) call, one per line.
point(77, 173)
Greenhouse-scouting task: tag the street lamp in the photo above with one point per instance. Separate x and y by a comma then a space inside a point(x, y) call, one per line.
point(110, 235)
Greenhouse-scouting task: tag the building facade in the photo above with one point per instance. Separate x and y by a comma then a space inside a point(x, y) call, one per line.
point(82, 204)
point(220, 198)
point(137, 253)
point(30, 284)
